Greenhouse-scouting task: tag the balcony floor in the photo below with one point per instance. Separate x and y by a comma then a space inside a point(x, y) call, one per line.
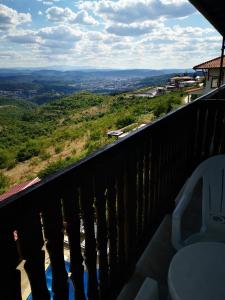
point(156, 258)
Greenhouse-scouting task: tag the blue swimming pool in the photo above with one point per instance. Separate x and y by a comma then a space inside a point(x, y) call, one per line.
point(48, 274)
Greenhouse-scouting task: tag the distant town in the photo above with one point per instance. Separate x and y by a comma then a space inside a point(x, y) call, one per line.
point(47, 85)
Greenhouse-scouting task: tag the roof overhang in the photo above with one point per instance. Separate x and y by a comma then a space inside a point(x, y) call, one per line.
point(213, 11)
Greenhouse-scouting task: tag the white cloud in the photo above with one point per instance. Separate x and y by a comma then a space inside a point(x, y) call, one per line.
point(170, 46)
point(59, 14)
point(134, 29)
point(130, 11)
point(10, 18)
point(60, 33)
point(24, 37)
point(9, 55)
point(57, 39)
point(95, 36)
point(48, 3)
point(84, 18)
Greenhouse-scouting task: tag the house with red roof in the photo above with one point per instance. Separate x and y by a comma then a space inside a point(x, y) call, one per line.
point(211, 69)
point(18, 188)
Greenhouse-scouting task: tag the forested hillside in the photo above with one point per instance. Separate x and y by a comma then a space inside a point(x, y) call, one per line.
point(37, 140)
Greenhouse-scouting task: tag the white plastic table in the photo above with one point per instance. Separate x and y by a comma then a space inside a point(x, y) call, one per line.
point(197, 272)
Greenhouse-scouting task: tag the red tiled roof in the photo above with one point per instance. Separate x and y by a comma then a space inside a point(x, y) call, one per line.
point(194, 90)
point(210, 64)
point(181, 78)
point(18, 188)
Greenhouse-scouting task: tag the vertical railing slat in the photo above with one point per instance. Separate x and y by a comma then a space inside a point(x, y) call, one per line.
point(112, 225)
point(130, 210)
point(10, 287)
point(120, 179)
point(71, 208)
point(53, 230)
point(87, 206)
point(102, 235)
point(140, 208)
point(31, 241)
point(147, 208)
point(219, 128)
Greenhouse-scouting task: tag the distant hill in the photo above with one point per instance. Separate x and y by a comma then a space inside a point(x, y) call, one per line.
point(90, 72)
point(41, 86)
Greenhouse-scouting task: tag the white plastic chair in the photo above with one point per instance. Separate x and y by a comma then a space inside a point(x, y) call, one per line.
point(212, 174)
point(148, 290)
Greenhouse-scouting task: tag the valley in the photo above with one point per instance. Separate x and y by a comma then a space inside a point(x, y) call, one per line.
point(37, 140)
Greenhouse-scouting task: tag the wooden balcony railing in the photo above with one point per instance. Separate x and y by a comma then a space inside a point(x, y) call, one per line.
point(123, 190)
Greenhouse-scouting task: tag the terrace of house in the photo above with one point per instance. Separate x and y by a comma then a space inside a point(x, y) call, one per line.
point(163, 155)
point(173, 156)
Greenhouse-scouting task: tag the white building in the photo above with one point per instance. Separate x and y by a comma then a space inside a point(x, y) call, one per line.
point(178, 81)
point(211, 69)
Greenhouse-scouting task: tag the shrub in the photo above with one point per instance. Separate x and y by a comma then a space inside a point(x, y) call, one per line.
point(52, 168)
point(95, 135)
point(58, 149)
point(74, 151)
point(6, 159)
point(35, 161)
point(4, 182)
point(45, 155)
point(125, 121)
point(61, 136)
point(160, 108)
point(11, 164)
point(56, 166)
point(91, 146)
point(30, 150)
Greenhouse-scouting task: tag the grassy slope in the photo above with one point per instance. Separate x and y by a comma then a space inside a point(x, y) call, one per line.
point(39, 139)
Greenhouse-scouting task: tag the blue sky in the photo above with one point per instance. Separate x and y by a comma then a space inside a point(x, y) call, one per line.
point(105, 33)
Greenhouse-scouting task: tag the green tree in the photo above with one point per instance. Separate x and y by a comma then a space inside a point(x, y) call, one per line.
point(125, 121)
point(29, 150)
point(6, 159)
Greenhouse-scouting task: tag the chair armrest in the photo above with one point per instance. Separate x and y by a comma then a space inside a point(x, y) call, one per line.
point(148, 290)
point(176, 220)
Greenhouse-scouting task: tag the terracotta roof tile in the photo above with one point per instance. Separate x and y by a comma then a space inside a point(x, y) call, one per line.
point(181, 78)
point(18, 188)
point(194, 90)
point(210, 64)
